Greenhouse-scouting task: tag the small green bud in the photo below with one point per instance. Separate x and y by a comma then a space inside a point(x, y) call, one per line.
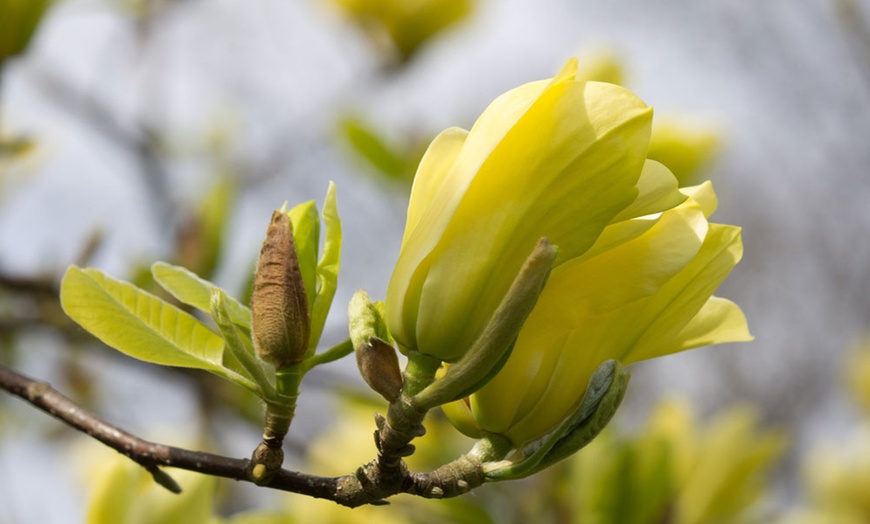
point(280, 319)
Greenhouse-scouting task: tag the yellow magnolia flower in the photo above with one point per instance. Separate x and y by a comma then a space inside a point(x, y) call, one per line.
point(559, 158)
point(836, 477)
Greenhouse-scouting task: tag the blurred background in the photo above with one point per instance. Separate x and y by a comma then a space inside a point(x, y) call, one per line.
point(140, 130)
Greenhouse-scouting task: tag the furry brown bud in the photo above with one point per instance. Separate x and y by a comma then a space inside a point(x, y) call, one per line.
point(280, 321)
point(379, 367)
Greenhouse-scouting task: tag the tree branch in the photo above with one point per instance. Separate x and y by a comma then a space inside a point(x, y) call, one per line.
point(149, 455)
point(364, 486)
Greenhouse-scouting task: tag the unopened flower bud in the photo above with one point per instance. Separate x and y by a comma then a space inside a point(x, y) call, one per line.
point(280, 321)
point(375, 357)
point(379, 367)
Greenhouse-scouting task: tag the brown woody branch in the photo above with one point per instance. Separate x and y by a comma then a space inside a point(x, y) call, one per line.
point(368, 485)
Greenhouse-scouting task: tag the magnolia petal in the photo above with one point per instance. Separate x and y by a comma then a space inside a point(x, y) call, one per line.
point(412, 267)
point(657, 191)
point(461, 417)
point(719, 321)
point(433, 169)
point(631, 271)
point(680, 300)
point(578, 149)
point(702, 194)
point(496, 406)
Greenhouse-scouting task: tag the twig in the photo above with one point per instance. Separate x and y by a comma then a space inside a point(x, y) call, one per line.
point(149, 455)
point(349, 490)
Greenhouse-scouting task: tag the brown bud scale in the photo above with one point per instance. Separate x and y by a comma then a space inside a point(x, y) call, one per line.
point(280, 320)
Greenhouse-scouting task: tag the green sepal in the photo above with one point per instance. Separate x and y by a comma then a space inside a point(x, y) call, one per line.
point(600, 402)
point(327, 269)
point(240, 347)
point(306, 236)
point(490, 351)
point(195, 291)
point(141, 325)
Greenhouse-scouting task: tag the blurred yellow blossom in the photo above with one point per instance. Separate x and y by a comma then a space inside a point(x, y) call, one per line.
point(858, 375)
point(836, 479)
point(686, 145)
point(19, 19)
point(677, 470)
point(405, 24)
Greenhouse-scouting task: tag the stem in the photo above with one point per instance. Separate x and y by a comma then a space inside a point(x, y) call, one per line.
point(419, 372)
point(268, 457)
point(334, 353)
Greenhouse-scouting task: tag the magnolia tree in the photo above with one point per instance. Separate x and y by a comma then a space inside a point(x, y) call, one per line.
point(543, 251)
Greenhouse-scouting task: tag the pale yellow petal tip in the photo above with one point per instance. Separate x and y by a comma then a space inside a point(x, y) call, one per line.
point(704, 196)
point(568, 71)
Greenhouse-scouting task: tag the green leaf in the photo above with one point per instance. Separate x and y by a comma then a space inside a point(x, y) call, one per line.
point(306, 237)
point(327, 268)
point(194, 291)
point(141, 325)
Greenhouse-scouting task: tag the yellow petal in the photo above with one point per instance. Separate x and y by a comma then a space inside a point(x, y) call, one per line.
point(705, 197)
point(436, 210)
point(718, 322)
point(431, 174)
point(657, 191)
point(671, 310)
point(461, 417)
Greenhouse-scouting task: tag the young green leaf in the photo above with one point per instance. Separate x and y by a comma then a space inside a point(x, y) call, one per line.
point(240, 348)
point(194, 291)
point(141, 325)
point(306, 237)
point(327, 268)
